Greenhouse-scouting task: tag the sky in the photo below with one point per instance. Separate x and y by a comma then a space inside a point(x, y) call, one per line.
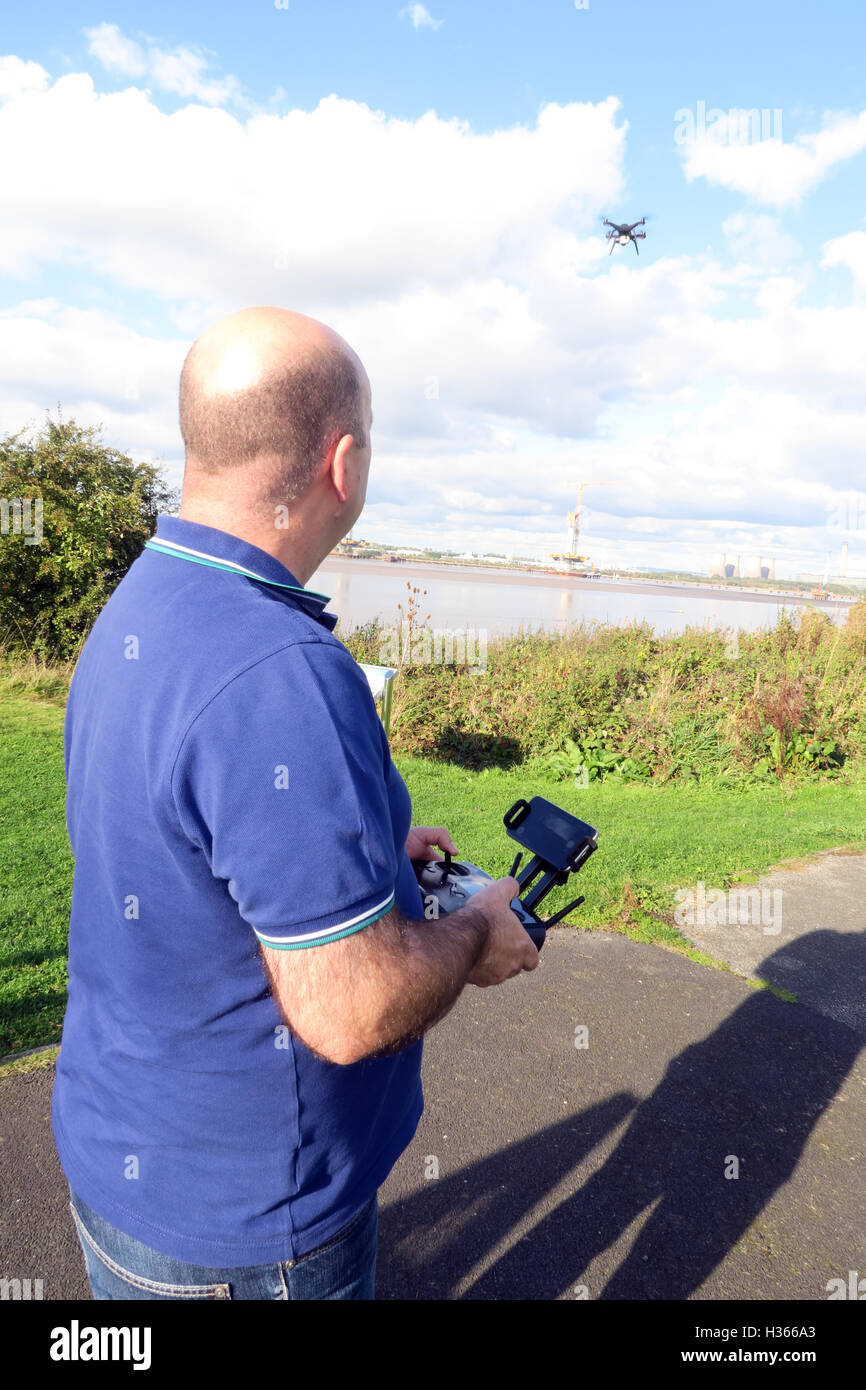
point(431, 182)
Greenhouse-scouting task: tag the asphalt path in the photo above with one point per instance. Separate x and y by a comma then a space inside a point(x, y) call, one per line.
point(620, 1124)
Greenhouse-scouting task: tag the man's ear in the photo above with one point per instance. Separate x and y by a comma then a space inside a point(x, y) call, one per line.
point(339, 468)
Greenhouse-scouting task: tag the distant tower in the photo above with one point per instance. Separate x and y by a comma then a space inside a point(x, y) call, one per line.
point(843, 561)
point(717, 564)
point(768, 568)
point(753, 567)
point(732, 567)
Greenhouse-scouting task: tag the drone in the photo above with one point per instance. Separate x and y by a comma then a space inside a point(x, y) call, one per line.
point(622, 234)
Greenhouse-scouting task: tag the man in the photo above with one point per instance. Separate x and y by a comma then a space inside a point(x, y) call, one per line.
point(250, 971)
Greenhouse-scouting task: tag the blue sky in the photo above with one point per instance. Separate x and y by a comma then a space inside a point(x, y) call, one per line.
point(431, 181)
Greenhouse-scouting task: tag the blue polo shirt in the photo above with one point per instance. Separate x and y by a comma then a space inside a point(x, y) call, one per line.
point(229, 783)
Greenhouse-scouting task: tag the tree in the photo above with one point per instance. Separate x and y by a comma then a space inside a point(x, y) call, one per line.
point(74, 514)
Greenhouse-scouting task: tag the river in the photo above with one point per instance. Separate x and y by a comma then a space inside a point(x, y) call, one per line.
point(492, 601)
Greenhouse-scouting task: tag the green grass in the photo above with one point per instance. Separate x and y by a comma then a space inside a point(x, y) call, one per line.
point(36, 874)
point(31, 678)
point(652, 840)
point(30, 1062)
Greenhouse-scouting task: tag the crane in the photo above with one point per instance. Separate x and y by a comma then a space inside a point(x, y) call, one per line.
point(571, 557)
point(823, 591)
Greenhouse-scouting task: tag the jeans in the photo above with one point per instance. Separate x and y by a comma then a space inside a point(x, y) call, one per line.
point(119, 1267)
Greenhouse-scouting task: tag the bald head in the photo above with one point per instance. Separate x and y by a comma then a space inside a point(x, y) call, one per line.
point(273, 388)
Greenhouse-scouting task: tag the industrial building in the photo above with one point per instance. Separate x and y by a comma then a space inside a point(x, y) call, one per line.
point(724, 566)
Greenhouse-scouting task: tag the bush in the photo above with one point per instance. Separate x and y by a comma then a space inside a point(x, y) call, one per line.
point(601, 702)
point(89, 510)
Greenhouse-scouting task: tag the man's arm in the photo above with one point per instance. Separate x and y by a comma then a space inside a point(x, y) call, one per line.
point(378, 990)
point(292, 813)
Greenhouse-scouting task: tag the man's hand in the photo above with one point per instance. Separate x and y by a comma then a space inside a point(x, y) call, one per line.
point(422, 840)
point(508, 948)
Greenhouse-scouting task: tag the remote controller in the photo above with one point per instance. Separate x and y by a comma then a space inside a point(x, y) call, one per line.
point(559, 843)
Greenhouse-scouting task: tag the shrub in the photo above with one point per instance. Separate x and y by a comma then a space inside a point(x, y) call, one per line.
point(98, 508)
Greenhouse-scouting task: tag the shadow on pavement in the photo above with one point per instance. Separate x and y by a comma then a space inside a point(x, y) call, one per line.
point(753, 1090)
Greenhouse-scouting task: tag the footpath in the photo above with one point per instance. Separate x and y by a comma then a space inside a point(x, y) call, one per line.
point(621, 1124)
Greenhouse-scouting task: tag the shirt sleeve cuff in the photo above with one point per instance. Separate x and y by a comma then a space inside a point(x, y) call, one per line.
point(308, 935)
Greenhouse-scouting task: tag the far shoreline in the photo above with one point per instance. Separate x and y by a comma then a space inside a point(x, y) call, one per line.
point(490, 574)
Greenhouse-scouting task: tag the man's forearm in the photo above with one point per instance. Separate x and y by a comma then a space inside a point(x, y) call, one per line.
point(422, 969)
point(379, 989)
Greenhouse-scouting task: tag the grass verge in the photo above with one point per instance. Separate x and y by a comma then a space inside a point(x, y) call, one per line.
point(653, 839)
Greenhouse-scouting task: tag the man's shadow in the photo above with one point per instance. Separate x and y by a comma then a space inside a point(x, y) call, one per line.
point(744, 1101)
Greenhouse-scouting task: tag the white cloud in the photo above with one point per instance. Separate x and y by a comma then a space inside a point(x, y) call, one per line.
point(759, 466)
point(472, 263)
point(772, 171)
point(420, 17)
point(181, 71)
point(759, 239)
point(848, 251)
point(335, 204)
point(50, 353)
point(116, 53)
point(18, 78)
